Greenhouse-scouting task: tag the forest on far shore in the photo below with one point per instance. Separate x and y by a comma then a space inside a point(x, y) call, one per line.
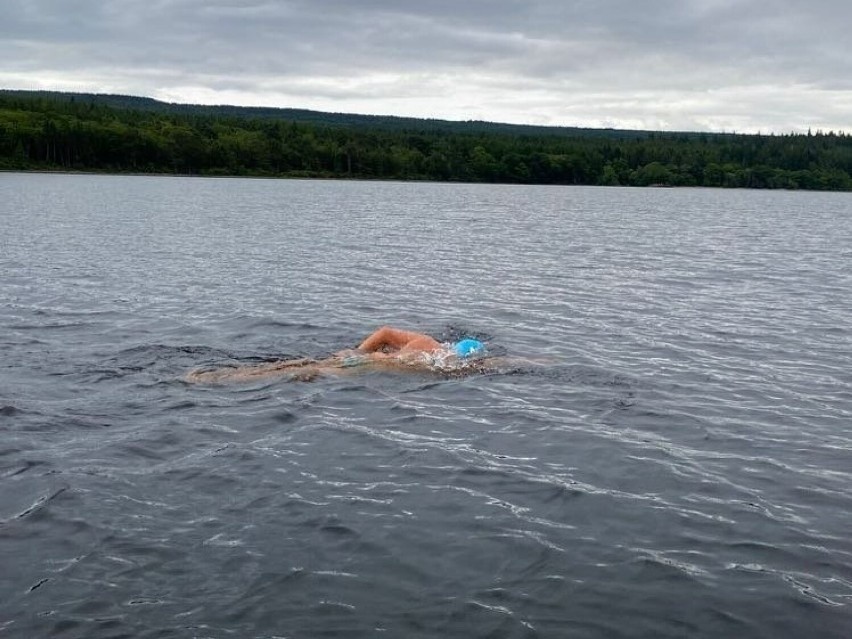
point(81, 132)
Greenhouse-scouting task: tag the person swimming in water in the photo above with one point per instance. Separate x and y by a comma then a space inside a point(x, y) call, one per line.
point(387, 348)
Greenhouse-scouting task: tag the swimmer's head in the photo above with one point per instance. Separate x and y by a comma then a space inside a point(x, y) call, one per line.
point(468, 348)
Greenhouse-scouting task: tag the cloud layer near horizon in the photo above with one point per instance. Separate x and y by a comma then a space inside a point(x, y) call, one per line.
point(689, 65)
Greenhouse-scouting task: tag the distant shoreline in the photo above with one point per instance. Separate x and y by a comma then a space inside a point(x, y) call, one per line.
point(119, 135)
point(385, 179)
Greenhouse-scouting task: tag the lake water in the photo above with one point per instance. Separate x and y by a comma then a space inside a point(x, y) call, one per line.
point(677, 461)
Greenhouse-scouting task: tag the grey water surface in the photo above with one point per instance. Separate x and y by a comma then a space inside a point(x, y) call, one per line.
point(674, 458)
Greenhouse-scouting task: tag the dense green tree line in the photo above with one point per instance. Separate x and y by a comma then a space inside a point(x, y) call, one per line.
point(53, 132)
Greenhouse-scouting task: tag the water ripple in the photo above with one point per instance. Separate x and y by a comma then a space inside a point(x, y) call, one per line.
point(669, 457)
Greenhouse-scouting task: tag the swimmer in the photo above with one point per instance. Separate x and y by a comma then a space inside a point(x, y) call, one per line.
point(386, 349)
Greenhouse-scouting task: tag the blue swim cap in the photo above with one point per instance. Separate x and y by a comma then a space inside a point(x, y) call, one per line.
point(468, 347)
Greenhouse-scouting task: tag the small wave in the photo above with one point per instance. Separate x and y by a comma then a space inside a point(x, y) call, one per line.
point(8, 410)
point(25, 466)
point(48, 326)
point(276, 324)
point(38, 505)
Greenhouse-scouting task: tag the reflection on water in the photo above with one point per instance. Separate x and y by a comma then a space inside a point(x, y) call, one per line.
point(675, 463)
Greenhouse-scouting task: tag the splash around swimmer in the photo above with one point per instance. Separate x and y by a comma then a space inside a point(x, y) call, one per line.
point(387, 348)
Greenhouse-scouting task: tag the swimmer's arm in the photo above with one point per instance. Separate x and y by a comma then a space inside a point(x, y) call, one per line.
point(395, 339)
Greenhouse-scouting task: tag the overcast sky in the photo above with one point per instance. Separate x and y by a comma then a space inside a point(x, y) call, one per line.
point(717, 65)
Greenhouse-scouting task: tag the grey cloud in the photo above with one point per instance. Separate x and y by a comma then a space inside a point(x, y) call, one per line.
point(559, 61)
